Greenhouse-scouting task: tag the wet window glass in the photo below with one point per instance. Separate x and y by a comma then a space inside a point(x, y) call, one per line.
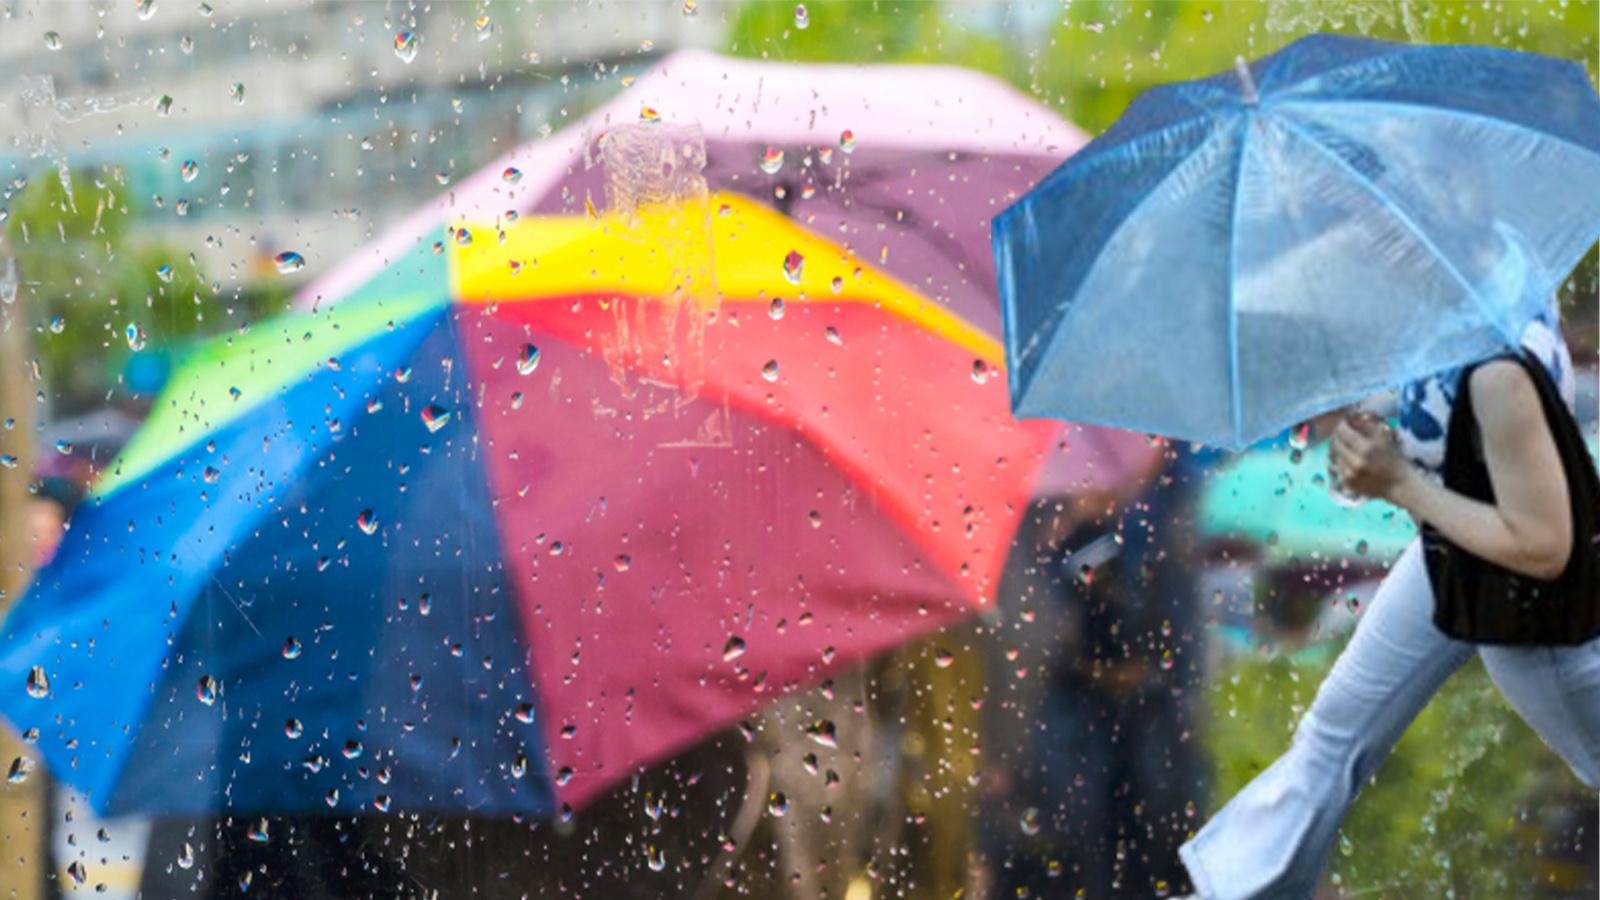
point(511, 448)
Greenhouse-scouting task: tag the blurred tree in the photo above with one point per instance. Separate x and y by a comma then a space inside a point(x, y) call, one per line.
point(92, 276)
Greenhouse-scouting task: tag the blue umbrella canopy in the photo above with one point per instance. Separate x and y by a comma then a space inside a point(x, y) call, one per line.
point(1241, 252)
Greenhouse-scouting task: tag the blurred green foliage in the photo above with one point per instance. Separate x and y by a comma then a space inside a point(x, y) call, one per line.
point(88, 274)
point(1471, 803)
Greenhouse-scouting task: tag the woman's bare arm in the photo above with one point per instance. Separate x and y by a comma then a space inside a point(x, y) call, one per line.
point(1528, 529)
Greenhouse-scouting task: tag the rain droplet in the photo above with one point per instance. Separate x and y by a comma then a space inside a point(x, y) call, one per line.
point(236, 91)
point(293, 728)
point(64, 447)
point(405, 46)
point(163, 104)
point(186, 858)
point(527, 359)
point(733, 649)
point(980, 371)
point(824, 733)
point(770, 370)
point(136, 337)
point(77, 872)
point(38, 683)
point(402, 374)
point(482, 24)
point(352, 749)
point(793, 265)
point(291, 648)
point(524, 713)
point(367, 522)
point(832, 334)
point(332, 797)
point(815, 518)
point(186, 44)
point(847, 141)
point(20, 769)
point(649, 115)
point(463, 237)
point(563, 775)
point(802, 19)
point(690, 7)
point(778, 805)
point(622, 563)
point(147, 8)
point(511, 175)
point(1361, 547)
point(381, 803)
point(1300, 436)
point(258, 831)
point(943, 658)
point(205, 690)
point(1030, 821)
point(442, 177)
point(289, 262)
point(775, 309)
point(656, 859)
point(519, 765)
point(772, 160)
point(165, 273)
point(190, 170)
point(435, 417)
point(52, 40)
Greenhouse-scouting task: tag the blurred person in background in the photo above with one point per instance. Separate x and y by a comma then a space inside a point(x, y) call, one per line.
point(1094, 771)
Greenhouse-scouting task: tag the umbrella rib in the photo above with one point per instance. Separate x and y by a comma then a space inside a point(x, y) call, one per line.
point(1235, 389)
point(1503, 124)
point(1371, 187)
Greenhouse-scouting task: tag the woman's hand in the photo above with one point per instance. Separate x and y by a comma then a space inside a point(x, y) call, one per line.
point(1367, 456)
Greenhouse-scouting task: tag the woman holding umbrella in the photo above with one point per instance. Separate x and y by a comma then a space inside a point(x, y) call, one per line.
point(1339, 218)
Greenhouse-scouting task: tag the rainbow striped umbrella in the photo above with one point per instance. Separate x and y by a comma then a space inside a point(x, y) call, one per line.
point(528, 496)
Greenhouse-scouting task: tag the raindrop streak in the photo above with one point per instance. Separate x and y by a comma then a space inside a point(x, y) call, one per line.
point(527, 359)
point(289, 262)
point(38, 683)
point(435, 417)
point(206, 690)
point(405, 46)
point(793, 265)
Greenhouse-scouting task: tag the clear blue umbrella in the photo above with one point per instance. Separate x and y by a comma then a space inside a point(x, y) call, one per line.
point(1241, 252)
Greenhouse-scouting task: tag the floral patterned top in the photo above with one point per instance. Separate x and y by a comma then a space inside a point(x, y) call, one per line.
point(1425, 404)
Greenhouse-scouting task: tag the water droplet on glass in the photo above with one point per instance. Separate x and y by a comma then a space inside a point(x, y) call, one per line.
point(38, 683)
point(832, 334)
point(186, 857)
point(435, 417)
point(136, 337)
point(464, 237)
point(802, 19)
point(367, 522)
point(64, 447)
point(186, 44)
point(649, 115)
point(778, 804)
point(405, 46)
point(824, 733)
point(190, 170)
point(656, 859)
point(205, 690)
point(258, 831)
point(511, 175)
point(1030, 821)
point(146, 9)
point(52, 40)
point(77, 872)
point(980, 371)
point(20, 768)
point(772, 160)
point(733, 649)
point(527, 359)
point(524, 713)
point(943, 658)
point(793, 265)
point(292, 648)
point(332, 797)
point(163, 104)
point(775, 308)
point(289, 262)
point(690, 7)
point(770, 370)
point(847, 141)
point(353, 749)
point(482, 24)
point(402, 374)
point(236, 91)
point(381, 803)
point(519, 765)
point(165, 273)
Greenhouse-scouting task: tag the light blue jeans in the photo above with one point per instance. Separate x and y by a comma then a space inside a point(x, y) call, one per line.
point(1273, 839)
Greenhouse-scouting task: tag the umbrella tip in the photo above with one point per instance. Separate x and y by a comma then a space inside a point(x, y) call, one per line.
point(1247, 82)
